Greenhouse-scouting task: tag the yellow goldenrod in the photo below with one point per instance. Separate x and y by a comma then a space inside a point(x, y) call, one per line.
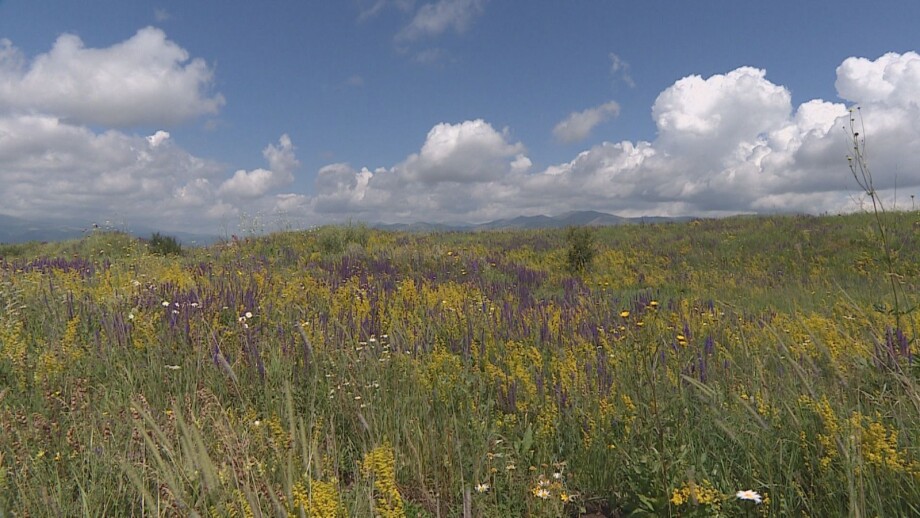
point(380, 463)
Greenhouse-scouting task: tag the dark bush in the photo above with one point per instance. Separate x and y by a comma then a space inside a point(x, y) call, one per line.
point(581, 252)
point(336, 240)
point(164, 245)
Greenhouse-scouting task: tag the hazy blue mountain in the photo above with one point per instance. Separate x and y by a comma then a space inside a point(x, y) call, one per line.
point(420, 227)
point(521, 222)
point(18, 230)
point(575, 218)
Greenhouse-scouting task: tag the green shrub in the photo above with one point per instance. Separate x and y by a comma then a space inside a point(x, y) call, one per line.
point(581, 252)
point(164, 245)
point(336, 240)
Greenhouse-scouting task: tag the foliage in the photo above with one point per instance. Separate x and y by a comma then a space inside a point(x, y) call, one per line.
point(581, 249)
point(336, 240)
point(443, 374)
point(164, 245)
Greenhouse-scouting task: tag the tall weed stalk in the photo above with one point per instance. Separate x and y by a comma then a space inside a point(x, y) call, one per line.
point(859, 166)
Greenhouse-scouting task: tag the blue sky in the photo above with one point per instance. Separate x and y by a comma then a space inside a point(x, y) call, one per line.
point(197, 115)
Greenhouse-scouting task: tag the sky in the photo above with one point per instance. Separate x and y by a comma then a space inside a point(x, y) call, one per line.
point(215, 115)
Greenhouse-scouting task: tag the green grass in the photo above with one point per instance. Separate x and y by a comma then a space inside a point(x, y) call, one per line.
point(356, 372)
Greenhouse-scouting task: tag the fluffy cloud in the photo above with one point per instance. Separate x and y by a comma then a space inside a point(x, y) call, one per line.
point(341, 189)
point(578, 125)
point(461, 169)
point(734, 143)
point(471, 151)
point(727, 143)
point(281, 158)
point(730, 143)
point(435, 18)
point(54, 166)
point(146, 79)
point(697, 115)
point(54, 170)
point(257, 183)
point(251, 184)
point(892, 80)
point(158, 138)
point(51, 169)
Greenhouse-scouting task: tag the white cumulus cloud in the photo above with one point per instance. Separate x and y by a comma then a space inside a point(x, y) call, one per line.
point(728, 143)
point(158, 138)
point(54, 166)
point(146, 79)
point(258, 182)
point(892, 79)
point(51, 169)
point(578, 125)
point(720, 111)
point(462, 170)
point(467, 152)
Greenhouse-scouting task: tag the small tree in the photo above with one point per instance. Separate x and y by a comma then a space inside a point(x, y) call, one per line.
point(164, 245)
point(581, 252)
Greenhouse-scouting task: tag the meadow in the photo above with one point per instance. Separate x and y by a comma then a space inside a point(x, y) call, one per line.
point(344, 371)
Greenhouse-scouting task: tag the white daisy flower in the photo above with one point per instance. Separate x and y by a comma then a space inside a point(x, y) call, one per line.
point(753, 496)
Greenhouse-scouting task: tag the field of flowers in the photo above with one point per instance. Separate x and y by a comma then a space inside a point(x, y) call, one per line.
point(735, 367)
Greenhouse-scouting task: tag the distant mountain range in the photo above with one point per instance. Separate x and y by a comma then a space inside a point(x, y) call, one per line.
point(569, 219)
point(16, 230)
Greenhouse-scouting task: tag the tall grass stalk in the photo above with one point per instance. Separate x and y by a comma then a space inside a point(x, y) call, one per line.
point(858, 162)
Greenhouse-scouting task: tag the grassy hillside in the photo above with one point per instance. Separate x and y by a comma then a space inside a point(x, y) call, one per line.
point(351, 372)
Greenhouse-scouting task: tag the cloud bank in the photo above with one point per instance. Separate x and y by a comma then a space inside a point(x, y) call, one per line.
point(730, 143)
point(54, 165)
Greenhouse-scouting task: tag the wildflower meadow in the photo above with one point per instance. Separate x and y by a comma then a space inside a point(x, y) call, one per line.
point(747, 366)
